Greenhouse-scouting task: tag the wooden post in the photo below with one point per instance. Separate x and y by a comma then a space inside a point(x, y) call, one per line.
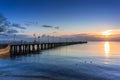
point(11, 49)
point(37, 49)
point(25, 48)
point(29, 49)
point(41, 46)
point(45, 46)
point(33, 47)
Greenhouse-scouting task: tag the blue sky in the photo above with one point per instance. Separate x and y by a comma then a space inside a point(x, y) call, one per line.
point(71, 16)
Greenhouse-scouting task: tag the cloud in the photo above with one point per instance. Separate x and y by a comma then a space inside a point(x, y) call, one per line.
point(7, 37)
point(31, 24)
point(12, 31)
point(27, 24)
point(4, 24)
point(2, 29)
point(47, 26)
point(44, 35)
point(57, 27)
point(8, 29)
point(18, 26)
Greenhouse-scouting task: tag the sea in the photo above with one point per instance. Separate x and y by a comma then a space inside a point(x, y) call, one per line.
point(91, 61)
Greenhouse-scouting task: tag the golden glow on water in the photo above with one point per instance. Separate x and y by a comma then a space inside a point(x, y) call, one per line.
point(107, 49)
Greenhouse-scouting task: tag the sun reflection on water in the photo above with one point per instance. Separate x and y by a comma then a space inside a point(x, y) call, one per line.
point(107, 49)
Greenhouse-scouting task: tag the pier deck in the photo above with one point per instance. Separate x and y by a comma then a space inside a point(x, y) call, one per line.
point(29, 47)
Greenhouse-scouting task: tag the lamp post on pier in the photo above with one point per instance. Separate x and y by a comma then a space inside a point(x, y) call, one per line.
point(34, 37)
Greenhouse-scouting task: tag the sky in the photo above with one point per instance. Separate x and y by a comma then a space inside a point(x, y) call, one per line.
point(63, 17)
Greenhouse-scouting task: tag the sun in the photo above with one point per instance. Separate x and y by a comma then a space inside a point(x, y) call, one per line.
point(107, 33)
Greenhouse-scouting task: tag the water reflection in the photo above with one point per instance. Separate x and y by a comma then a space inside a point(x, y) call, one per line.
point(107, 49)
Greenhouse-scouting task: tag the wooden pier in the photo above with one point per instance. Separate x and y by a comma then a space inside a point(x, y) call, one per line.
point(26, 48)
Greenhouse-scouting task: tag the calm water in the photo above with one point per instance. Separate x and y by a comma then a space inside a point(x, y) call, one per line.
point(92, 61)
